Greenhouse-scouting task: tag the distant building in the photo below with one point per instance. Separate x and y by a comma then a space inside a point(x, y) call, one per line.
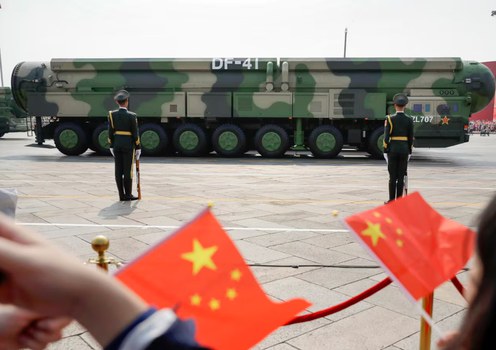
point(488, 113)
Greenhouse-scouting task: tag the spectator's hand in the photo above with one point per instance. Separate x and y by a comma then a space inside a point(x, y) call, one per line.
point(21, 328)
point(446, 339)
point(138, 154)
point(112, 151)
point(33, 279)
point(37, 275)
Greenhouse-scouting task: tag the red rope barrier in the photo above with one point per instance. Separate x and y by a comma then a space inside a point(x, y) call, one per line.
point(458, 286)
point(345, 304)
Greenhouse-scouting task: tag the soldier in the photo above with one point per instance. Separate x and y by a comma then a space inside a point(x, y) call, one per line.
point(398, 143)
point(124, 144)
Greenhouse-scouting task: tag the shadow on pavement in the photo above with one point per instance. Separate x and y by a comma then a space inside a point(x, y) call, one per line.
point(118, 209)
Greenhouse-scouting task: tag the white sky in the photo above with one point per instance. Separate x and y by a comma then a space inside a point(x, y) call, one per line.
point(38, 30)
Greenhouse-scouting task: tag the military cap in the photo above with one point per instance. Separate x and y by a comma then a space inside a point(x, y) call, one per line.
point(121, 95)
point(400, 99)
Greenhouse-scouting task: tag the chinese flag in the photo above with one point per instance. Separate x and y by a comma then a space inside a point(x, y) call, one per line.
point(199, 271)
point(419, 247)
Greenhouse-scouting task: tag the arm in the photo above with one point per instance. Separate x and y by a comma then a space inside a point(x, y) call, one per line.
point(20, 328)
point(387, 133)
point(410, 136)
point(135, 132)
point(68, 288)
point(111, 130)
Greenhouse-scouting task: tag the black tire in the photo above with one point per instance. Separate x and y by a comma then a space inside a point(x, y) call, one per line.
point(99, 140)
point(271, 141)
point(325, 141)
point(91, 147)
point(229, 140)
point(375, 143)
point(153, 139)
point(70, 139)
point(190, 140)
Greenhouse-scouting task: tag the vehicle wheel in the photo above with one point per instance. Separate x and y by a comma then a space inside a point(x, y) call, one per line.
point(99, 140)
point(91, 147)
point(190, 140)
point(325, 141)
point(229, 140)
point(271, 141)
point(376, 143)
point(70, 139)
point(153, 139)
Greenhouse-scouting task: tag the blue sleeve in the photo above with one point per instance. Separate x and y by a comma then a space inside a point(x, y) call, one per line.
point(156, 330)
point(117, 341)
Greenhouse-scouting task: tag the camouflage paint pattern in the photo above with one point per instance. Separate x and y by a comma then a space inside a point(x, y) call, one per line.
point(12, 118)
point(296, 94)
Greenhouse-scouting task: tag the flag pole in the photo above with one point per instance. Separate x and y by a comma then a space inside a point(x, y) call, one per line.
point(426, 323)
point(138, 180)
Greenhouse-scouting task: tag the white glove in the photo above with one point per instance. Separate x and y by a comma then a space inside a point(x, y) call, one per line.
point(138, 154)
point(386, 157)
point(409, 156)
point(112, 151)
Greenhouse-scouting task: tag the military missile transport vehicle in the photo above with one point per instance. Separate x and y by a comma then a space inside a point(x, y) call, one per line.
point(193, 106)
point(12, 118)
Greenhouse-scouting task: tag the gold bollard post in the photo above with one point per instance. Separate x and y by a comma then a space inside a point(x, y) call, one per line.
point(425, 328)
point(100, 244)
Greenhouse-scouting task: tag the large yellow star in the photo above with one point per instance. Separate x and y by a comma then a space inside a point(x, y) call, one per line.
point(200, 257)
point(374, 232)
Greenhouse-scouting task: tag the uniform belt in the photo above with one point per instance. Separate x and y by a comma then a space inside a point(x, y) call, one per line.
point(399, 138)
point(127, 133)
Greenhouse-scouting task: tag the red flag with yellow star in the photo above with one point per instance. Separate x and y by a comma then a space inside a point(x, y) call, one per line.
point(199, 272)
point(419, 247)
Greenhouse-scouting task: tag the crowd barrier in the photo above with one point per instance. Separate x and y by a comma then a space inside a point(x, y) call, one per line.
point(100, 244)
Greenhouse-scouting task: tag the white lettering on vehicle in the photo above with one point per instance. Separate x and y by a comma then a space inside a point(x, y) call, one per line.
point(422, 118)
point(231, 63)
point(217, 63)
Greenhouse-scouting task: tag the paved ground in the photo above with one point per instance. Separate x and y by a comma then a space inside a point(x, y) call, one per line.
point(277, 212)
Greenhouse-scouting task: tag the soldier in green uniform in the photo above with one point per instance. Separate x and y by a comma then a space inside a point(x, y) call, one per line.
point(398, 143)
point(124, 144)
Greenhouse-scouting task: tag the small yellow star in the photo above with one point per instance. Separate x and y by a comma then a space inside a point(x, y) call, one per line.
point(399, 243)
point(399, 231)
point(235, 275)
point(196, 300)
point(214, 304)
point(374, 232)
point(231, 293)
point(200, 257)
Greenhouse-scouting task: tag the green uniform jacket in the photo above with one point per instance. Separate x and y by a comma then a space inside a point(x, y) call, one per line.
point(398, 134)
point(123, 130)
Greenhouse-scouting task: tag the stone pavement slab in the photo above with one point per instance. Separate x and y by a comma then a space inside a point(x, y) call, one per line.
point(277, 211)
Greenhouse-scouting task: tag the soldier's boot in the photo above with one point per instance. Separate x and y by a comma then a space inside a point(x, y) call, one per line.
point(120, 188)
point(128, 185)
